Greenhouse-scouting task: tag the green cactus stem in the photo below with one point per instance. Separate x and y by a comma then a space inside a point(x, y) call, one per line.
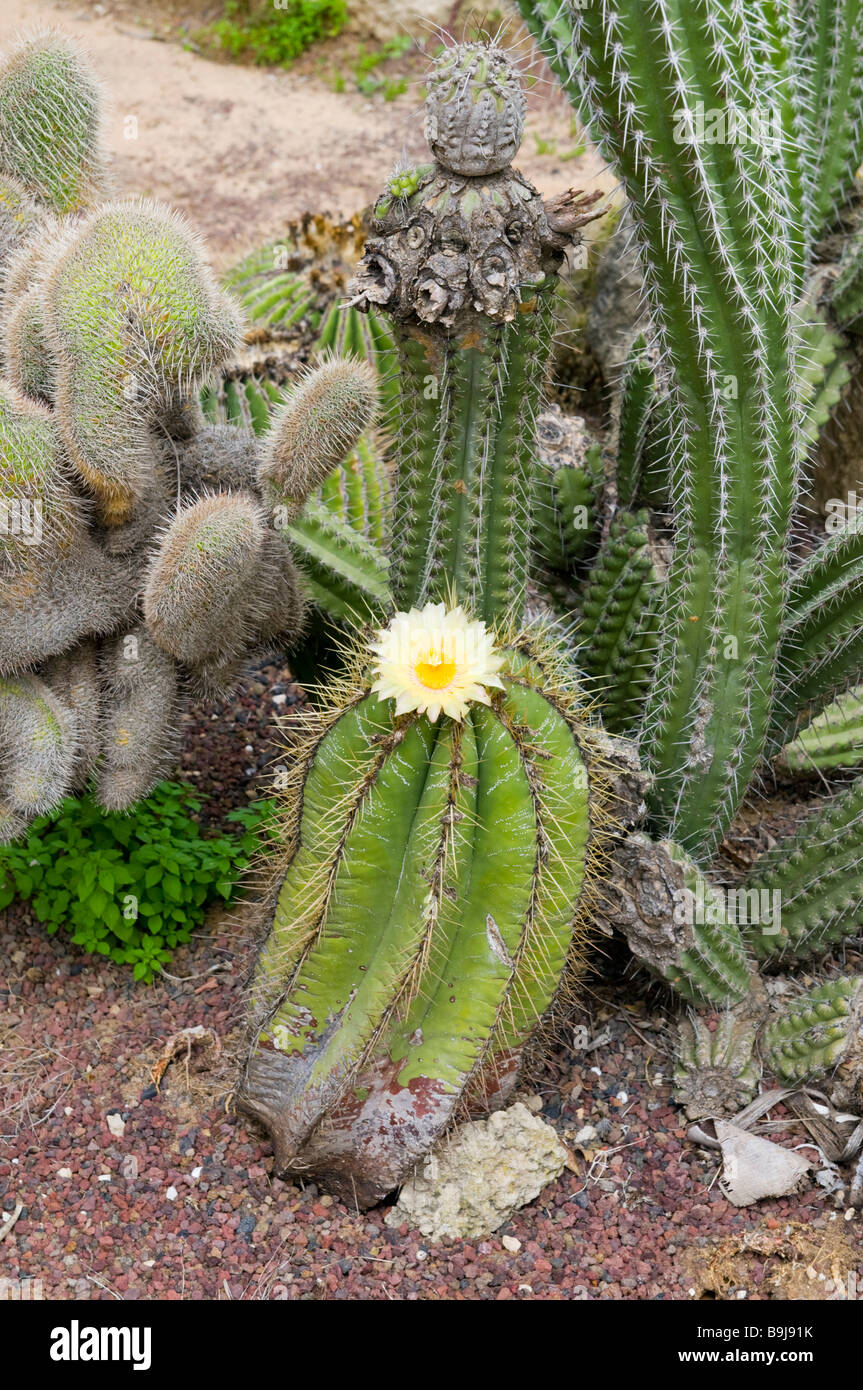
point(720, 229)
point(619, 619)
point(567, 491)
point(834, 739)
point(846, 301)
point(412, 939)
point(637, 391)
point(821, 651)
point(344, 574)
point(830, 74)
point(139, 730)
point(816, 875)
point(820, 1031)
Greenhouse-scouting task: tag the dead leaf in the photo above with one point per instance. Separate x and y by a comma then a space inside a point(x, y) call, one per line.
point(753, 1168)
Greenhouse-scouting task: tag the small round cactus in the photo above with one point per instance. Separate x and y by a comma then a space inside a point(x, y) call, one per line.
point(475, 110)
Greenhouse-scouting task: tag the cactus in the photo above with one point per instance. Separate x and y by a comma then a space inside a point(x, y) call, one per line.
point(417, 942)
point(675, 921)
point(314, 430)
point(816, 875)
point(140, 548)
point(619, 620)
point(50, 122)
point(437, 836)
point(846, 302)
point(821, 649)
point(716, 1065)
point(829, 69)
point(833, 740)
point(722, 303)
point(636, 397)
point(473, 323)
point(567, 491)
point(820, 1031)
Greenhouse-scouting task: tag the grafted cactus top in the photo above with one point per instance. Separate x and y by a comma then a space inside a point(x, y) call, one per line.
point(467, 237)
point(475, 110)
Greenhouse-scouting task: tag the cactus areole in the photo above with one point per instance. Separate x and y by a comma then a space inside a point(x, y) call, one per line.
point(439, 826)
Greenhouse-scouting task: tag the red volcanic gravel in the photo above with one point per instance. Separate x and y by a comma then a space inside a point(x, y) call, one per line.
point(182, 1203)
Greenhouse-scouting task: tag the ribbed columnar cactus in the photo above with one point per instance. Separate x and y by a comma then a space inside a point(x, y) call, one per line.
point(720, 234)
point(141, 551)
point(736, 130)
point(820, 1031)
point(437, 838)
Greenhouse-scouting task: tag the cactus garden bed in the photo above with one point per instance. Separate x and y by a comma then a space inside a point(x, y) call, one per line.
point(520, 748)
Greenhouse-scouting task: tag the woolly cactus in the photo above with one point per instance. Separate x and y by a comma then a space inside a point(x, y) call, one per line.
point(50, 122)
point(122, 353)
point(314, 430)
point(140, 549)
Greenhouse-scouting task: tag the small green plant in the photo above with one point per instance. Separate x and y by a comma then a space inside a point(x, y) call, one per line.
point(364, 68)
point(132, 887)
point(275, 37)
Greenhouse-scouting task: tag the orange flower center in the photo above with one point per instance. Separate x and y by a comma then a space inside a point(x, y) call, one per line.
point(434, 671)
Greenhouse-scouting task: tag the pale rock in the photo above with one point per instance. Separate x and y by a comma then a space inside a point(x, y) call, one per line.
point(473, 1182)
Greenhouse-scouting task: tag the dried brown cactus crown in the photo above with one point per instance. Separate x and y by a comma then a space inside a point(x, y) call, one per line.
point(459, 240)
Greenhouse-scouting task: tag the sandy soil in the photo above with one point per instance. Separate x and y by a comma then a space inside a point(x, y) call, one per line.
point(243, 149)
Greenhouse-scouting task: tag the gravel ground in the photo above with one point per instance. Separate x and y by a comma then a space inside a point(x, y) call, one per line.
point(136, 1192)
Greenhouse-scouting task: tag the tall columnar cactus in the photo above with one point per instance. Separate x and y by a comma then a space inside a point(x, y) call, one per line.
point(141, 551)
point(437, 837)
point(720, 233)
point(729, 219)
